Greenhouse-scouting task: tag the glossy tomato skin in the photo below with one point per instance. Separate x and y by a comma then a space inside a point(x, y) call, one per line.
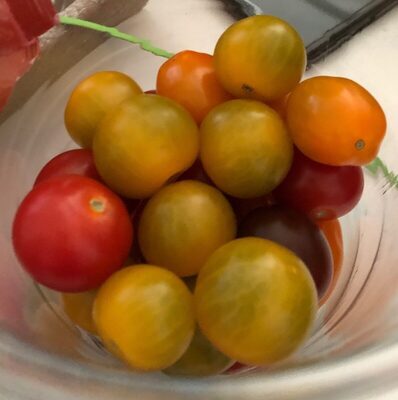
point(255, 301)
point(245, 148)
point(71, 233)
point(92, 99)
point(145, 143)
point(144, 314)
point(72, 162)
point(335, 121)
point(320, 191)
point(260, 57)
point(189, 78)
point(183, 224)
point(295, 231)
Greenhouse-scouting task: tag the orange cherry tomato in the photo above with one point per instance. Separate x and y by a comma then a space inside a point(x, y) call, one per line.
point(189, 78)
point(332, 231)
point(335, 121)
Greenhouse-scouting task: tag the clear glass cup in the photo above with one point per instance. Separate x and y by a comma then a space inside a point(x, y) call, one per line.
point(353, 352)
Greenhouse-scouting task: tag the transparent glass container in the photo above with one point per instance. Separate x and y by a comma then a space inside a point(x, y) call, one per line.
point(353, 351)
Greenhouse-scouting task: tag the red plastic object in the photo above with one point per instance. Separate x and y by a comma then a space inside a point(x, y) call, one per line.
point(21, 22)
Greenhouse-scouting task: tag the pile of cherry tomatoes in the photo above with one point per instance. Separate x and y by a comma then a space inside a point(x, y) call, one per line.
point(198, 226)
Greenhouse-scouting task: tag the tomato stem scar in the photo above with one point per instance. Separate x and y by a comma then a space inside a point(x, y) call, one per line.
point(114, 32)
point(97, 205)
point(360, 144)
point(247, 88)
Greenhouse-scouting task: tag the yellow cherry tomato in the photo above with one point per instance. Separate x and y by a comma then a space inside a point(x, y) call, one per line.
point(255, 301)
point(183, 224)
point(260, 57)
point(144, 314)
point(92, 99)
point(201, 359)
point(245, 148)
point(79, 308)
point(144, 143)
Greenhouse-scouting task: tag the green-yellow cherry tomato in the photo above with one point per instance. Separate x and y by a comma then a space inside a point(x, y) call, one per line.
point(144, 143)
point(245, 148)
point(260, 57)
point(183, 224)
point(255, 301)
point(201, 359)
point(92, 99)
point(144, 314)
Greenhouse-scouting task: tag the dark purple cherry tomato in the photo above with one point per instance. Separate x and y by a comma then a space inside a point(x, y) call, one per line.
point(72, 162)
point(242, 207)
point(320, 191)
point(297, 232)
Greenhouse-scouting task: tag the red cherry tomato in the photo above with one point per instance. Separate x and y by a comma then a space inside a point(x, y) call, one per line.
point(321, 191)
point(72, 162)
point(189, 78)
point(71, 233)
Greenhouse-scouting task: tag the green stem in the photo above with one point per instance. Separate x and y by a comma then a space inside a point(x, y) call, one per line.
point(144, 43)
point(378, 164)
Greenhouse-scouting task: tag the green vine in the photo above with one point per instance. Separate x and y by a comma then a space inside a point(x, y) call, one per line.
point(143, 43)
point(378, 165)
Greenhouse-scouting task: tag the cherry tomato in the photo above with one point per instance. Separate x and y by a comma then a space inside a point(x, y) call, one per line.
point(298, 233)
point(260, 57)
point(245, 148)
point(183, 224)
point(71, 233)
point(144, 314)
point(79, 308)
point(189, 78)
point(200, 359)
point(143, 144)
point(321, 191)
point(92, 99)
point(335, 121)
point(72, 162)
point(255, 301)
point(332, 230)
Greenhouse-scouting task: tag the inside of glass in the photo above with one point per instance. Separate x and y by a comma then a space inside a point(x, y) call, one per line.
point(361, 312)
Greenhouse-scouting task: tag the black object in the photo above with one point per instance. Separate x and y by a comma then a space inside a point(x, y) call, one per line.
point(323, 24)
